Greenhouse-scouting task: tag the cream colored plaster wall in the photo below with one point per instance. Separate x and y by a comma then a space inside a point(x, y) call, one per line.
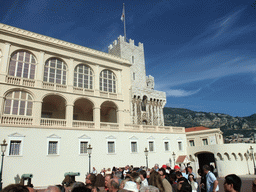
point(49, 169)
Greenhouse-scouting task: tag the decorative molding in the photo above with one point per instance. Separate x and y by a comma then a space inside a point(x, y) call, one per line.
point(54, 136)
point(84, 137)
point(16, 135)
point(151, 138)
point(111, 137)
point(61, 43)
point(166, 138)
point(133, 138)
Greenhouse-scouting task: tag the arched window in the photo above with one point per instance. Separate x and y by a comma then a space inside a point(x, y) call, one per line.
point(55, 71)
point(83, 77)
point(22, 64)
point(107, 81)
point(144, 103)
point(18, 103)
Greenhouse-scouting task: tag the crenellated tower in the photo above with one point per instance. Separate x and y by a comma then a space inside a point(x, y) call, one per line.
point(146, 103)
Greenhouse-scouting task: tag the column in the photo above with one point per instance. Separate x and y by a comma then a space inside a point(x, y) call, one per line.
point(158, 114)
point(40, 70)
point(135, 110)
point(37, 111)
point(4, 62)
point(96, 117)
point(96, 80)
point(70, 76)
point(119, 78)
point(1, 106)
point(120, 119)
point(132, 114)
point(69, 115)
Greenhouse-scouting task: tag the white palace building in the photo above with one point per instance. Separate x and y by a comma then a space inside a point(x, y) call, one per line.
point(56, 98)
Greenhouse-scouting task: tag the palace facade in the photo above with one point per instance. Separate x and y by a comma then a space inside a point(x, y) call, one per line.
point(56, 98)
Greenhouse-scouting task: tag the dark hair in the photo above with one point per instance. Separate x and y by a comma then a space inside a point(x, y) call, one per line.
point(235, 180)
point(81, 189)
point(206, 167)
point(182, 179)
point(192, 176)
point(163, 170)
point(92, 179)
point(156, 180)
point(143, 173)
point(114, 184)
point(178, 173)
point(15, 188)
point(190, 167)
point(100, 182)
point(185, 187)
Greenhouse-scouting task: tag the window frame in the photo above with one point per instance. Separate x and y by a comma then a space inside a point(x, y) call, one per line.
point(53, 138)
point(14, 100)
point(153, 142)
point(190, 142)
point(15, 137)
point(182, 147)
point(83, 138)
point(205, 139)
point(132, 140)
point(90, 75)
point(47, 77)
point(113, 80)
point(168, 142)
point(22, 64)
point(111, 139)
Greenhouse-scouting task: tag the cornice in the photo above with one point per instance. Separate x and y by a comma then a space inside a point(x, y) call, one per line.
point(208, 131)
point(60, 43)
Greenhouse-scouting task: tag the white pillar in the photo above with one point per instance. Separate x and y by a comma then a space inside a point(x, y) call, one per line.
point(120, 119)
point(158, 114)
point(119, 78)
point(70, 76)
point(132, 114)
point(37, 111)
point(96, 117)
point(4, 62)
point(97, 81)
point(151, 113)
point(40, 70)
point(135, 110)
point(69, 115)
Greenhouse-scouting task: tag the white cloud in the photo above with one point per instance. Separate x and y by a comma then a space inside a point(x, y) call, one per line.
point(180, 93)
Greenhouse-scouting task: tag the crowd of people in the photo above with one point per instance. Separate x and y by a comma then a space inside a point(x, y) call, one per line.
point(130, 179)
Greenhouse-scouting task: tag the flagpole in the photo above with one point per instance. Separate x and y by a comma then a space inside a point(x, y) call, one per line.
point(124, 23)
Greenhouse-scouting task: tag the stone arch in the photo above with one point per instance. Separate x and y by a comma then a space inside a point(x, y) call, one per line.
point(241, 156)
point(83, 110)
point(20, 89)
point(234, 156)
point(53, 106)
point(144, 103)
point(227, 155)
point(219, 156)
point(108, 112)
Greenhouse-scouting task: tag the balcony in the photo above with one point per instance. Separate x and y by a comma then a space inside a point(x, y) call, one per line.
point(49, 122)
point(83, 91)
point(84, 124)
point(53, 86)
point(16, 120)
point(108, 95)
point(20, 81)
point(109, 126)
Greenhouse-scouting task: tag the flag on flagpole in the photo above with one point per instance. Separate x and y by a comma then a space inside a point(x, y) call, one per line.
point(122, 17)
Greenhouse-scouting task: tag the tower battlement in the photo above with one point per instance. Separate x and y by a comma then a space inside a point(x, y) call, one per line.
point(120, 40)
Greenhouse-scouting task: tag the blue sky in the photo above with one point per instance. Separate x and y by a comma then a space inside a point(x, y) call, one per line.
point(202, 53)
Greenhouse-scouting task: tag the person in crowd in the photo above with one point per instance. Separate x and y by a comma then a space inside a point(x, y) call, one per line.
point(100, 183)
point(123, 182)
point(15, 188)
point(179, 175)
point(149, 188)
point(176, 168)
point(185, 187)
point(190, 171)
point(81, 189)
point(131, 186)
point(31, 189)
point(126, 169)
point(94, 171)
point(183, 171)
point(113, 185)
point(254, 186)
point(211, 181)
point(192, 182)
point(167, 186)
point(155, 180)
point(137, 180)
point(181, 182)
point(143, 177)
point(232, 183)
point(156, 167)
point(108, 177)
point(202, 184)
point(52, 189)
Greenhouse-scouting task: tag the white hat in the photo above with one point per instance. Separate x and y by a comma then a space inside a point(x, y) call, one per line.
point(131, 186)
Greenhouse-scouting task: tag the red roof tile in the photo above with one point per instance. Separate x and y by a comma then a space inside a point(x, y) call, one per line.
point(181, 159)
point(195, 129)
